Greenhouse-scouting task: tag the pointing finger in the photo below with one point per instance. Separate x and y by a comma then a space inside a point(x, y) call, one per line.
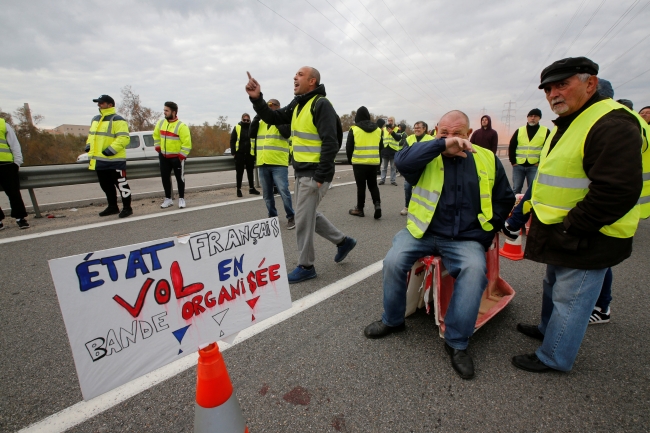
point(249, 75)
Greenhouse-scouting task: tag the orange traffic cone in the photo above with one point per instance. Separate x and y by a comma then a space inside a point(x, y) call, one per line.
point(512, 249)
point(217, 409)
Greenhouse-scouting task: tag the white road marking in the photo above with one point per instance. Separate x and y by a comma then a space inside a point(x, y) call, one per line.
point(137, 218)
point(85, 410)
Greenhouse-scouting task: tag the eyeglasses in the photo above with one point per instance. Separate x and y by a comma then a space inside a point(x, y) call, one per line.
point(271, 104)
point(246, 120)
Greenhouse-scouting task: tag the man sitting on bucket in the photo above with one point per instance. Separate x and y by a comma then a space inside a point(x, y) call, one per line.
point(461, 198)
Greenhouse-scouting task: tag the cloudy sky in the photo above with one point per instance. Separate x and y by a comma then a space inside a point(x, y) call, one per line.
point(411, 59)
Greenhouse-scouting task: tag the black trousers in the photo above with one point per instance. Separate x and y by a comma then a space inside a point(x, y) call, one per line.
point(111, 179)
point(11, 185)
point(247, 162)
point(166, 167)
point(366, 175)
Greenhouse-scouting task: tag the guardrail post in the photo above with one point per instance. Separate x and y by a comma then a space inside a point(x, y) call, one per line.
point(32, 195)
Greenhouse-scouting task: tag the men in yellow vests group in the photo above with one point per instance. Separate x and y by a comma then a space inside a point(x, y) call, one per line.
point(11, 158)
point(391, 147)
point(243, 151)
point(461, 198)
point(585, 207)
point(173, 143)
point(419, 135)
point(272, 150)
point(525, 147)
point(363, 147)
point(315, 130)
point(106, 147)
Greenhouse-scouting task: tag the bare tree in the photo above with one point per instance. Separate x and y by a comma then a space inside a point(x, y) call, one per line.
point(7, 117)
point(139, 118)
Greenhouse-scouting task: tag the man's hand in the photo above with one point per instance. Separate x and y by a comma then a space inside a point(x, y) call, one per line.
point(507, 230)
point(456, 146)
point(253, 88)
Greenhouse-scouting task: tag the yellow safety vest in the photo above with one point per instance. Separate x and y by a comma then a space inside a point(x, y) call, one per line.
point(644, 199)
point(272, 147)
point(179, 142)
point(426, 192)
point(413, 139)
point(5, 150)
point(366, 146)
point(306, 142)
point(390, 141)
point(238, 129)
point(530, 150)
point(107, 130)
point(561, 182)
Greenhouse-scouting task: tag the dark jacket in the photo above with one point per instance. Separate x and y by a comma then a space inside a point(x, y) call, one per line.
point(486, 137)
point(362, 120)
point(514, 142)
point(285, 131)
point(459, 204)
point(612, 161)
point(327, 123)
point(244, 140)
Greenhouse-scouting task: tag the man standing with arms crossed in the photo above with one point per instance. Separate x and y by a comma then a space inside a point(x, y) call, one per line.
point(315, 145)
point(271, 148)
point(173, 144)
point(525, 148)
point(106, 147)
point(391, 147)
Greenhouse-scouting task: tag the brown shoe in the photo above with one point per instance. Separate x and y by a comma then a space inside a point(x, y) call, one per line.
point(357, 212)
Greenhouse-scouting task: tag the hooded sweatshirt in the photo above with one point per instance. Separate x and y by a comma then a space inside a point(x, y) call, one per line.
point(486, 136)
point(361, 120)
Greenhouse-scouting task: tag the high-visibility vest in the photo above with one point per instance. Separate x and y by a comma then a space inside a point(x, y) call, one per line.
point(426, 192)
point(5, 150)
point(238, 129)
point(306, 142)
point(561, 182)
point(366, 146)
point(413, 139)
point(272, 147)
point(529, 150)
point(390, 141)
point(107, 130)
point(172, 138)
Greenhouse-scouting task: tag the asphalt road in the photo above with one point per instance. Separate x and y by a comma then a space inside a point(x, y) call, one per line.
point(403, 383)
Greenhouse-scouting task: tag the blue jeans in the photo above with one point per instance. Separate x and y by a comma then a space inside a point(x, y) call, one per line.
point(606, 292)
point(278, 175)
point(408, 192)
point(568, 300)
point(519, 172)
point(384, 169)
point(464, 260)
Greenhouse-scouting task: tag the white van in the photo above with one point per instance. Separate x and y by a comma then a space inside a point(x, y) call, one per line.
point(140, 147)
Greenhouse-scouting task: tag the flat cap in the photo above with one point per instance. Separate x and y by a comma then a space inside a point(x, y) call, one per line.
point(565, 68)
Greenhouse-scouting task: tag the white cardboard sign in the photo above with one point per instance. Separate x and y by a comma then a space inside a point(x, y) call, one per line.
point(133, 309)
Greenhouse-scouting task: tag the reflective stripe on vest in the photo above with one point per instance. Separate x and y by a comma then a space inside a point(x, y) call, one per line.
point(426, 192)
point(530, 150)
point(238, 129)
point(306, 142)
point(272, 148)
point(366, 146)
point(389, 141)
point(413, 139)
point(5, 150)
point(561, 181)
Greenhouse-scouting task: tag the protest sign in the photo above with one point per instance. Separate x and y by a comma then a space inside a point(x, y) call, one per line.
point(133, 309)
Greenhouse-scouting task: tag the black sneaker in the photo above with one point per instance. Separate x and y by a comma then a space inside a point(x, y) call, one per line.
point(111, 210)
point(239, 194)
point(599, 316)
point(22, 223)
point(253, 191)
point(291, 223)
point(127, 211)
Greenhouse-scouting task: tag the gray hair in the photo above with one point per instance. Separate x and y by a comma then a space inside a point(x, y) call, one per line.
point(583, 77)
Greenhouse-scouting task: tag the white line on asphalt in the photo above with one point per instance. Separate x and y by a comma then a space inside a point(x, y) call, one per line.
point(85, 410)
point(137, 218)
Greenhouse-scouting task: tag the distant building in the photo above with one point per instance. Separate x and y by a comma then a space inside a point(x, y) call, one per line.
point(70, 129)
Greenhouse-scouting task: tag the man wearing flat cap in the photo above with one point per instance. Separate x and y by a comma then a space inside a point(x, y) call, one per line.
point(106, 147)
point(524, 150)
point(584, 207)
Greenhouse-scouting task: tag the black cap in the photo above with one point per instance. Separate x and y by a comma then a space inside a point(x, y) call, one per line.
point(105, 98)
point(535, 112)
point(566, 68)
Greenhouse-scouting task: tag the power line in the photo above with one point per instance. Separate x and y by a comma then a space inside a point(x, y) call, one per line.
point(506, 115)
point(632, 79)
point(632, 18)
point(613, 26)
point(630, 49)
point(584, 27)
point(344, 59)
